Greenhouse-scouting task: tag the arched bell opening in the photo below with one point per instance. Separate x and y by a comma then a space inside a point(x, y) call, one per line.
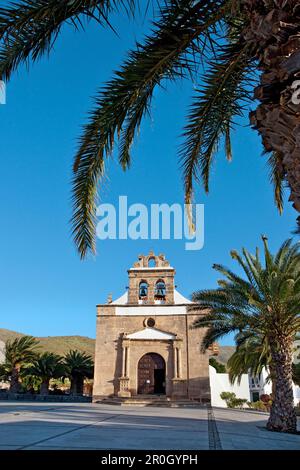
point(160, 290)
point(143, 290)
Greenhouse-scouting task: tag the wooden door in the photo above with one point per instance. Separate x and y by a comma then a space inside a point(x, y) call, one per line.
point(149, 380)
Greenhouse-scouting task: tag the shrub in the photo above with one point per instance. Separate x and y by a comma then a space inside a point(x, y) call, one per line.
point(265, 398)
point(267, 401)
point(232, 401)
point(227, 396)
point(238, 402)
point(259, 405)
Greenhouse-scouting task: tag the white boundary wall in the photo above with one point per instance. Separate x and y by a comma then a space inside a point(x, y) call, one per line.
point(220, 383)
point(296, 391)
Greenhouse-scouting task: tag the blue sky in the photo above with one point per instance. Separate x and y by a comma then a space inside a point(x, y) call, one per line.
point(45, 288)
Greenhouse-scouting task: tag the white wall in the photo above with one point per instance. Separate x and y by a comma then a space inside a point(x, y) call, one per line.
point(220, 383)
point(260, 384)
point(296, 391)
point(296, 354)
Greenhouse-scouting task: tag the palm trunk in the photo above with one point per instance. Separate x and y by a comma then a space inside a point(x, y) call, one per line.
point(273, 379)
point(76, 388)
point(80, 386)
point(14, 381)
point(273, 31)
point(283, 415)
point(73, 387)
point(45, 387)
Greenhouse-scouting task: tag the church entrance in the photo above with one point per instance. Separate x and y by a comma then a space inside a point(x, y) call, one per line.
point(151, 374)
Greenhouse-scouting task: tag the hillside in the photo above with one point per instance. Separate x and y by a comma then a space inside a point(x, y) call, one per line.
point(225, 353)
point(62, 344)
point(56, 344)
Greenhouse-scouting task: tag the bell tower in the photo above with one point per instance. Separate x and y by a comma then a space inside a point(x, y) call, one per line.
point(151, 281)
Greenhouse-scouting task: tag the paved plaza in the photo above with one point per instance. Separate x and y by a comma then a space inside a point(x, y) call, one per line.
point(94, 426)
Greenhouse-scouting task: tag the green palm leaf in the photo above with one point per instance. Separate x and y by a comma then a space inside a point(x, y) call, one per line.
point(276, 176)
point(29, 28)
point(221, 98)
point(122, 103)
point(263, 311)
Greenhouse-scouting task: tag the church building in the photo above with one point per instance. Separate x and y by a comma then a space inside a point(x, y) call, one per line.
point(145, 344)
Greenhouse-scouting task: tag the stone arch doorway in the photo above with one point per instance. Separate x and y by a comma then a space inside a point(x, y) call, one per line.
point(152, 374)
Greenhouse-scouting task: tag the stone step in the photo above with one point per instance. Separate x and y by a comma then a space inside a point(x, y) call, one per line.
point(151, 400)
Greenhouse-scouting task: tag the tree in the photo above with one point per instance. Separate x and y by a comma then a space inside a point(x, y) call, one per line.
point(19, 353)
point(220, 368)
point(30, 383)
point(224, 46)
point(78, 366)
point(265, 302)
point(251, 356)
point(47, 366)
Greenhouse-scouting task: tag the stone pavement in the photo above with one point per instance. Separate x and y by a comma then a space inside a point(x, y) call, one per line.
point(96, 426)
point(245, 430)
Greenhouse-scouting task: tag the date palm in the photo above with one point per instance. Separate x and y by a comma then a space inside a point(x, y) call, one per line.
point(19, 353)
point(251, 356)
point(264, 303)
point(224, 46)
point(78, 366)
point(46, 366)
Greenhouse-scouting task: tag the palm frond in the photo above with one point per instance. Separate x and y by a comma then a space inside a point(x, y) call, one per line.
point(122, 103)
point(29, 28)
point(266, 305)
point(221, 98)
point(276, 176)
point(251, 356)
point(21, 350)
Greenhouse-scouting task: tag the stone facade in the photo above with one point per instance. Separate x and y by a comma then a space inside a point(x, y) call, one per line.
point(150, 324)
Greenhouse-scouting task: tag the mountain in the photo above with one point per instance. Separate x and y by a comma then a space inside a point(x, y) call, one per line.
point(225, 353)
point(56, 344)
point(62, 344)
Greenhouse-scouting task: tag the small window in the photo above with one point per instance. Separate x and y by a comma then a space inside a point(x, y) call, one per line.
point(160, 290)
point(143, 290)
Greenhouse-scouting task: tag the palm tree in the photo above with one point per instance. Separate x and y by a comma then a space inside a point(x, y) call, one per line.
point(47, 366)
point(251, 356)
point(265, 302)
point(19, 353)
point(78, 366)
point(224, 46)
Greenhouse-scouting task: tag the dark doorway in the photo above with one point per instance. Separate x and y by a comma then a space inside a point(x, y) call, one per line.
point(159, 381)
point(151, 374)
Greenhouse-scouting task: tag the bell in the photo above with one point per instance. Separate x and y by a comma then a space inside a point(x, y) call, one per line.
point(143, 292)
point(160, 292)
